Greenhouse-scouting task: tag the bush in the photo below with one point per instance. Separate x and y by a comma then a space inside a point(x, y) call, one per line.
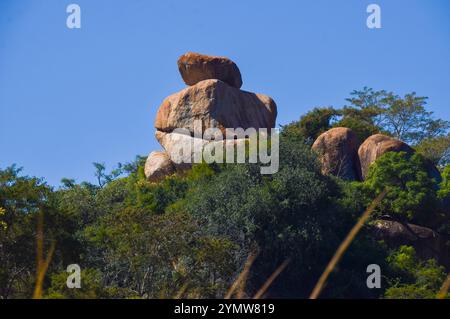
point(413, 279)
point(411, 191)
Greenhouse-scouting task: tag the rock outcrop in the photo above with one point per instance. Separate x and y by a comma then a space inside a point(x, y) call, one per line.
point(336, 149)
point(338, 152)
point(213, 100)
point(157, 166)
point(340, 155)
point(377, 145)
point(195, 67)
point(427, 243)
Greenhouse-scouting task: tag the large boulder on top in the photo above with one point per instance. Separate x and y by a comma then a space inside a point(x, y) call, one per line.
point(215, 104)
point(158, 166)
point(195, 67)
point(377, 145)
point(338, 153)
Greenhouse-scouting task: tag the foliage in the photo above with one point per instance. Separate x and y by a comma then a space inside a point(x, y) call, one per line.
point(404, 118)
point(436, 149)
point(412, 193)
point(407, 119)
point(3, 224)
point(92, 287)
point(312, 124)
point(22, 200)
point(412, 278)
point(155, 255)
point(444, 191)
point(362, 128)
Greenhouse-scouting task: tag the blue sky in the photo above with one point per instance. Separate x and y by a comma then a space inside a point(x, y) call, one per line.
point(72, 97)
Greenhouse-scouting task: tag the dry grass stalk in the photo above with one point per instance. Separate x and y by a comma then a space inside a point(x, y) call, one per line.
point(242, 278)
point(41, 264)
point(344, 246)
point(444, 289)
point(181, 291)
point(271, 279)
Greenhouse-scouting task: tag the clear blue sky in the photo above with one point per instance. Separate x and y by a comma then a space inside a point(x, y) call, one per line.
point(72, 97)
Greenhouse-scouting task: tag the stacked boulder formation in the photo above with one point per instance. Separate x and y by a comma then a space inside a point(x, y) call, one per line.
point(214, 99)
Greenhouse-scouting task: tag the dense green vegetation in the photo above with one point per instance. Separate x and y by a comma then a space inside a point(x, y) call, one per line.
point(191, 234)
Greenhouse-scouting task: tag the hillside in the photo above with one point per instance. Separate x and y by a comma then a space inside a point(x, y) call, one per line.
point(176, 224)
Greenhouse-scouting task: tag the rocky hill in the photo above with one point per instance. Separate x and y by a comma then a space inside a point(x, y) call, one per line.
point(341, 154)
point(214, 99)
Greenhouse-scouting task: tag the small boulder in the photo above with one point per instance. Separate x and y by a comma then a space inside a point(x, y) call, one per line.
point(195, 67)
point(338, 153)
point(158, 166)
point(377, 145)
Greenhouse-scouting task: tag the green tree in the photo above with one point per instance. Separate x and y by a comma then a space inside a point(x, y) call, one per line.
point(411, 191)
point(408, 120)
point(362, 128)
point(404, 118)
point(368, 105)
point(436, 149)
point(364, 115)
point(23, 199)
point(312, 124)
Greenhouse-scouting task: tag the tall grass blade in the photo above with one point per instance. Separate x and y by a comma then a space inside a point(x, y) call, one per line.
point(271, 279)
point(41, 264)
point(444, 289)
point(242, 278)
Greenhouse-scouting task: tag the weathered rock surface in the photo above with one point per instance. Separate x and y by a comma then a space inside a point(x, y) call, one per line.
point(338, 152)
point(158, 166)
point(184, 149)
point(195, 67)
point(175, 144)
point(427, 243)
point(215, 104)
point(377, 145)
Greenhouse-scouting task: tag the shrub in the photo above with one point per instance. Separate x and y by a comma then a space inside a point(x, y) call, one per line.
point(411, 191)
